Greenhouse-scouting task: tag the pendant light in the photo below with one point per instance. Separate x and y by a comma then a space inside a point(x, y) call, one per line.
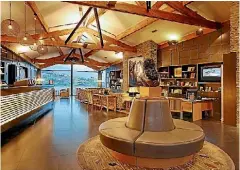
point(25, 39)
point(35, 44)
point(9, 26)
point(42, 49)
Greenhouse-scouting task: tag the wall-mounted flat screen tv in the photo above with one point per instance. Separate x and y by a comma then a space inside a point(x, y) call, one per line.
point(211, 74)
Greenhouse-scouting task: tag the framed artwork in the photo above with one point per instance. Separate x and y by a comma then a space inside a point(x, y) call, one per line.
point(135, 69)
point(178, 72)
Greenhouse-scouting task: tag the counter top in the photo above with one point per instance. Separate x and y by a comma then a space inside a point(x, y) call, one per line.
point(8, 90)
point(193, 101)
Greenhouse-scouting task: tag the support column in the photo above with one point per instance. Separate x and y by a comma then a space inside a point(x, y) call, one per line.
point(71, 79)
point(234, 46)
point(100, 79)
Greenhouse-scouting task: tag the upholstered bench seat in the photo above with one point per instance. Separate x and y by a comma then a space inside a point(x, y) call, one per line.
point(116, 136)
point(173, 144)
point(150, 132)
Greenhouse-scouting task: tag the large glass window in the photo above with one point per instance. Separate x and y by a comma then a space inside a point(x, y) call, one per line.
point(59, 74)
point(84, 77)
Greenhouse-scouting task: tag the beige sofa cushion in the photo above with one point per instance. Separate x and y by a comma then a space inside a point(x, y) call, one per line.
point(119, 139)
point(172, 144)
point(158, 117)
point(136, 117)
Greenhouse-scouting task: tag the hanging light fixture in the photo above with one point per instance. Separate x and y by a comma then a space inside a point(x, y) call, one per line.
point(25, 39)
point(35, 44)
point(9, 26)
point(42, 49)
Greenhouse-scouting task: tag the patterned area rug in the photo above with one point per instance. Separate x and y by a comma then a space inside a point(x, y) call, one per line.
point(92, 155)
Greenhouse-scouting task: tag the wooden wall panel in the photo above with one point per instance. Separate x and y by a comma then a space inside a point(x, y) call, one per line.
point(203, 49)
point(229, 89)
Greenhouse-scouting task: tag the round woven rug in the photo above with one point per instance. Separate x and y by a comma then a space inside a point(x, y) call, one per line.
point(92, 155)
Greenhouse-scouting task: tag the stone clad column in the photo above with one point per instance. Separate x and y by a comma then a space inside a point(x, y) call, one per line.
point(146, 49)
point(100, 79)
point(234, 45)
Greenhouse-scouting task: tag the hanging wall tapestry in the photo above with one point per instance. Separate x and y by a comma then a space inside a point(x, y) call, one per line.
point(135, 70)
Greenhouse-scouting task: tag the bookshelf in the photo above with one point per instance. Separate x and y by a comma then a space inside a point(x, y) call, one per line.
point(115, 78)
point(175, 80)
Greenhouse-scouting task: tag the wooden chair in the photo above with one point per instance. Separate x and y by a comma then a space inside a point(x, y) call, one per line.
point(64, 93)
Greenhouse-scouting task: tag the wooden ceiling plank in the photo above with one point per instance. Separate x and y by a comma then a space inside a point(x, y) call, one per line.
point(79, 23)
point(153, 13)
point(178, 6)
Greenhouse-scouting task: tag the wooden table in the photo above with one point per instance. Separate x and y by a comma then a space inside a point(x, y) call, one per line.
point(195, 107)
point(107, 101)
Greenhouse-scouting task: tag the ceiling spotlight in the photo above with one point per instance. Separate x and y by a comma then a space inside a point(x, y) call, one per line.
point(199, 31)
point(10, 27)
point(172, 42)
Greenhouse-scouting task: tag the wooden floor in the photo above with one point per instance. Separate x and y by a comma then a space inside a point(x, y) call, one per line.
point(51, 143)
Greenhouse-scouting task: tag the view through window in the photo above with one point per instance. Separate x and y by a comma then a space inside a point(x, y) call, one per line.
point(83, 77)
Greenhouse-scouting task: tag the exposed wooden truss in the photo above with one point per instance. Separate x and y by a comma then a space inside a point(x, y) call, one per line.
point(41, 20)
point(148, 21)
point(60, 60)
point(118, 48)
point(153, 13)
point(78, 25)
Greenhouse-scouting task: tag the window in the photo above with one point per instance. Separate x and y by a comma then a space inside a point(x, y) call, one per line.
point(83, 77)
point(59, 74)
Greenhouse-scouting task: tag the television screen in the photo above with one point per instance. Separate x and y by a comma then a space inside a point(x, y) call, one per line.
point(211, 72)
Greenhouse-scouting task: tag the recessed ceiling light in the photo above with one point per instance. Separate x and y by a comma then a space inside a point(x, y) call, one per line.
point(199, 31)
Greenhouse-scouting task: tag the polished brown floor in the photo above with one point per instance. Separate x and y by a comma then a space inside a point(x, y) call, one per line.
point(51, 143)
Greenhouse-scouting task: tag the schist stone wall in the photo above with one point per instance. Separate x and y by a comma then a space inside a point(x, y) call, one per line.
point(147, 49)
point(234, 45)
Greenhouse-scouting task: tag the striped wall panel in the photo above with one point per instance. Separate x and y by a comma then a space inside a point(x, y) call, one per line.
point(16, 105)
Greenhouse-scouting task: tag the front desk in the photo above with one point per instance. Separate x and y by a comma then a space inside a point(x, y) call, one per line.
point(20, 104)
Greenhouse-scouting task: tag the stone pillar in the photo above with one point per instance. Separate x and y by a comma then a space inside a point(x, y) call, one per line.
point(234, 45)
point(147, 49)
point(100, 79)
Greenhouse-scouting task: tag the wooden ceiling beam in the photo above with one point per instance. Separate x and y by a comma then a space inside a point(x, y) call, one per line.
point(144, 23)
point(111, 3)
point(178, 6)
point(153, 13)
point(41, 20)
point(79, 23)
point(11, 39)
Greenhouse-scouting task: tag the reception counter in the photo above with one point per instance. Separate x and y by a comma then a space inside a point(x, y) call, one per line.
point(20, 104)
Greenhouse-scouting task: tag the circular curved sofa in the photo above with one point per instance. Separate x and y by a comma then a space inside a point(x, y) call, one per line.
point(150, 132)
